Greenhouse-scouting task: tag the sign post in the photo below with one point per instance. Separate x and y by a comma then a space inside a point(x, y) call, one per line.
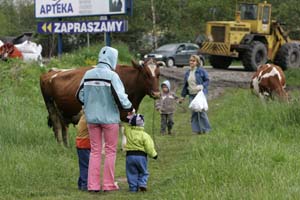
point(107, 34)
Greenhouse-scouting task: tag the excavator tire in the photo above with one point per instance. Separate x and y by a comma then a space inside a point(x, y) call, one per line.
point(288, 56)
point(255, 55)
point(220, 62)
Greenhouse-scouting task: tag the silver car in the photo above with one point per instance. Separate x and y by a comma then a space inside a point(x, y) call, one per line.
point(175, 54)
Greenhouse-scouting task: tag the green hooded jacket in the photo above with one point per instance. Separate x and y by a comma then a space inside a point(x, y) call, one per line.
point(139, 140)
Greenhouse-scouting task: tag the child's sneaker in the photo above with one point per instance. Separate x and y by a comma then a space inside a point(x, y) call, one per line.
point(143, 189)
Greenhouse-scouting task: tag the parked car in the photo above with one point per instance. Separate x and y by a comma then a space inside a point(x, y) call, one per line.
point(175, 54)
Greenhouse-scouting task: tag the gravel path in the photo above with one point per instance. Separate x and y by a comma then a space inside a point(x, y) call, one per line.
point(219, 79)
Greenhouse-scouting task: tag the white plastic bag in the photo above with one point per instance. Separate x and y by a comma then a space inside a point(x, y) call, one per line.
point(29, 47)
point(199, 103)
point(31, 51)
point(32, 57)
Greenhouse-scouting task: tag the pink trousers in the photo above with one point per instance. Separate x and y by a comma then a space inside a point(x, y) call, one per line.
point(110, 133)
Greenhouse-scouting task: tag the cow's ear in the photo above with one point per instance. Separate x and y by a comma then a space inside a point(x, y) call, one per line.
point(136, 65)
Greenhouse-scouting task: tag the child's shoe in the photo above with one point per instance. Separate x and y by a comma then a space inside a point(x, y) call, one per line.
point(83, 188)
point(143, 189)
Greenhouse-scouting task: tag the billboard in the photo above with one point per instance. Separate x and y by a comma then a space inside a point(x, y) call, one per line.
point(76, 8)
point(83, 27)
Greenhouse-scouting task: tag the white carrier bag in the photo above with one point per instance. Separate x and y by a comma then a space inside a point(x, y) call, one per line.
point(30, 51)
point(199, 103)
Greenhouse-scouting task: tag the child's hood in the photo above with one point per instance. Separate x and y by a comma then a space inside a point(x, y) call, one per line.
point(167, 83)
point(108, 56)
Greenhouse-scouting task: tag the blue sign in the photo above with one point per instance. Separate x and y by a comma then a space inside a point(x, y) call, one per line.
point(83, 27)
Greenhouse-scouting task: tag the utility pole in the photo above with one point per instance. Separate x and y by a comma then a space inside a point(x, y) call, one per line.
point(88, 40)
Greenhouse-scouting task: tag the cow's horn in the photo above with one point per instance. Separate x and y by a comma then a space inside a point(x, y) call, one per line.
point(161, 63)
point(141, 63)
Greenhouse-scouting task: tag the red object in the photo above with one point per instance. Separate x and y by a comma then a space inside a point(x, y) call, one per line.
point(83, 143)
point(8, 50)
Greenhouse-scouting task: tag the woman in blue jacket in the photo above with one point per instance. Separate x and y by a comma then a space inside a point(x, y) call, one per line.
point(100, 91)
point(195, 80)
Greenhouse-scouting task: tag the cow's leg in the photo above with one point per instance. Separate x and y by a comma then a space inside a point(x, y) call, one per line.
point(261, 96)
point(57, 128)
point(65, 135)
point(59, 135)
point(55, 122)
point(281, 94)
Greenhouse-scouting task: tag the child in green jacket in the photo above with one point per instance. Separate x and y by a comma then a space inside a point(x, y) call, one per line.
point(139, 145)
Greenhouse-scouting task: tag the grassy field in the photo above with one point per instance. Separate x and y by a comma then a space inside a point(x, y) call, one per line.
point(252, 152)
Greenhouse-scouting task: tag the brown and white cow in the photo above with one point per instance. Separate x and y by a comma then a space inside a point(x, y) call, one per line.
point(269, 81)
point(8, 50)
point(59, 88)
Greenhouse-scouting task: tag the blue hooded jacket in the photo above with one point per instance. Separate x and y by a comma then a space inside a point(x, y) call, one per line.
point(201, 79)
point(101, 90)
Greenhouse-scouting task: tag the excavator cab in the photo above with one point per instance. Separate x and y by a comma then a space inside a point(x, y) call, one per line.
point(252, 38)
point(258, 15)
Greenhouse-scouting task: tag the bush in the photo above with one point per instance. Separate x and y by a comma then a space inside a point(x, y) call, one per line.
point(89, 56)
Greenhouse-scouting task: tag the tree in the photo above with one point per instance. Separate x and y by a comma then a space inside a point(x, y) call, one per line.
point(167, 20)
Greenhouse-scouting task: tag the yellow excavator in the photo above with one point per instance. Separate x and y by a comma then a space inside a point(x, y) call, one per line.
point(252, 38)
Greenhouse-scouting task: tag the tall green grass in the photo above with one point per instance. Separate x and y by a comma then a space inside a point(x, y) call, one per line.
point(293, 77)
point(252, 152)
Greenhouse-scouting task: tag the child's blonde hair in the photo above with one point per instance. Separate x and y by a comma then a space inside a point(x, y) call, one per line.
point(197, 58)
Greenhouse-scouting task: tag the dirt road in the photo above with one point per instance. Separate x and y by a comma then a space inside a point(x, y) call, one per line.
point(219, 79)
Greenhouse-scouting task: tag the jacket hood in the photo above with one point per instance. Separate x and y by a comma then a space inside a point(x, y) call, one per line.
point(109, 56)
point(136, 120)
point(167, 83)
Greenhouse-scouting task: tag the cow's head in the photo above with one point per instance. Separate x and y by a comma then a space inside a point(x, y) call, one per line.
point(150, 70)
point(6, 50)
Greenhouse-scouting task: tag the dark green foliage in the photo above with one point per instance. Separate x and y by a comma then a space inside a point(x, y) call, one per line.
point(177, 21)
